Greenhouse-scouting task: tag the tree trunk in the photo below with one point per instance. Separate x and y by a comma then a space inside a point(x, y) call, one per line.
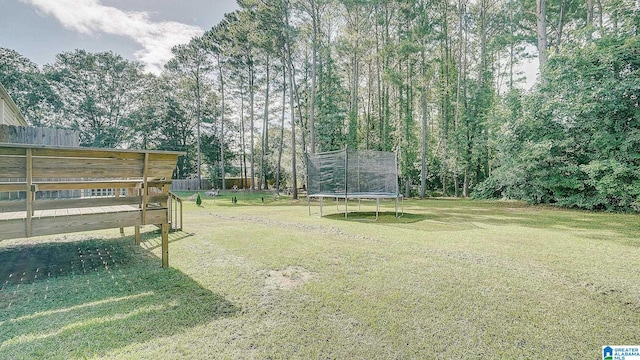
point(294, 174)
point(265, 131)
point(369, 104)
point(456, 122)
point(222, 171)
point(423, 103)
point(387, 63)
point(541, 13)
point(465, 184)
point(300, 117)
point(379, 92)
point(243, 160)
point(353, 113)
point(561, 24)
point(314, 61)
point(198, 115)
point(284, 102)
point(251, 124)
point(600, 20)
point(445, 101)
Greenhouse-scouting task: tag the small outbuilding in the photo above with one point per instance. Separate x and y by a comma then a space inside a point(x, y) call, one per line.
point(9, 112)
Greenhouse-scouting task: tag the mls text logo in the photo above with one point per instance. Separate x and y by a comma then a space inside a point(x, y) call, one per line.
point(620, 352)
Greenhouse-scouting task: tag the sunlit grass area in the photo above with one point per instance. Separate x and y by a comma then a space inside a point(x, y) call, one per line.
point(261, 279)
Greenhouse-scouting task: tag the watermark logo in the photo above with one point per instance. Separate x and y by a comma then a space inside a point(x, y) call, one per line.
point(620, 352)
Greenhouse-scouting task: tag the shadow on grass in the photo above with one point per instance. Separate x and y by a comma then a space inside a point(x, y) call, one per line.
point(152, 240)
point(87, 298)
point(459, 215)
point(495, 213)
point(387, 217)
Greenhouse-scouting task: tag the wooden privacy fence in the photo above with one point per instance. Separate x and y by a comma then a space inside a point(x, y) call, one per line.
point(109, 189)
point(190, 184)
point(38, 135)
point(237, 183)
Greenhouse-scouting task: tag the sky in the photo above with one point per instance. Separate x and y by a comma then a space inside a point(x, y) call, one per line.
point(140, 30)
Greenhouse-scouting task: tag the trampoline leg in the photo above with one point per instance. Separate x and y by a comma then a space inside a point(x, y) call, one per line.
point(402, 206)
point(346, 204)
point(321, 206)
point(377, 207)
point(396, 206)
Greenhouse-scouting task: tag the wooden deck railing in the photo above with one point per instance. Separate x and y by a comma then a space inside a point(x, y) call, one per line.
point(137, 184)
point(175, 212)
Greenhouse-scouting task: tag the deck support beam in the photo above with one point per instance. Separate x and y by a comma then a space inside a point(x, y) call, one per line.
point(165, 245)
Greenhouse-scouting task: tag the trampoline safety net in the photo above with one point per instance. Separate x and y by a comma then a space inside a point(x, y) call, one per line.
point(352, 172)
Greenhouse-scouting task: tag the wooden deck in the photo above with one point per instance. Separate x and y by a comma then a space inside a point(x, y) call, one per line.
point(136, 184)
point(68, 212)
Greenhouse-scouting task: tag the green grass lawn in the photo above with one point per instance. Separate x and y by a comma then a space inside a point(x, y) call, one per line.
point(264, 280)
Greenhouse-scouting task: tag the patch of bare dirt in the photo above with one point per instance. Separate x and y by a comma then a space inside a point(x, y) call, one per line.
point(288, 278)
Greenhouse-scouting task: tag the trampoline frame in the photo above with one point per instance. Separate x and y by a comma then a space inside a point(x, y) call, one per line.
point(399, 201)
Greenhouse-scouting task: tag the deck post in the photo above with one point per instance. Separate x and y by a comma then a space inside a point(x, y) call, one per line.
point(136, 229)
point(180, 201)
point(29, 193)
point(145, 188)
point(167, 204)
point(116, 193)
point(165, 245)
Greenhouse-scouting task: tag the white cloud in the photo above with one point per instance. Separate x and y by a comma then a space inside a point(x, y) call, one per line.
point(91, 17)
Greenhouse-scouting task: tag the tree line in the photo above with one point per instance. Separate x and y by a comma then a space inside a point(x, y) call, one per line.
point(438, 82)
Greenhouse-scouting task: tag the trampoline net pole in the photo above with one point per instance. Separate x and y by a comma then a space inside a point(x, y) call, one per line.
point(346, 180)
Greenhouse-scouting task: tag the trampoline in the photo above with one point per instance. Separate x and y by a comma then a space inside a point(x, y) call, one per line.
point(353, 174)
